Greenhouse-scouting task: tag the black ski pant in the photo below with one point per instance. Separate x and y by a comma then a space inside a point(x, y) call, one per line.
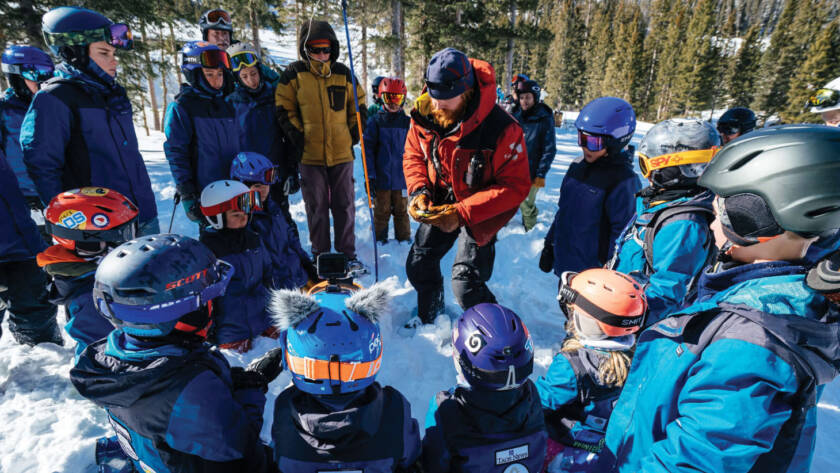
point(471, 270)
point(31, 316)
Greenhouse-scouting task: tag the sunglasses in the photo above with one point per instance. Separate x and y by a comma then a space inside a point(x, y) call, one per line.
point(395, 99)
point(648, 165)
point(214, 17)
point(213, 58)
point(824, 98)
point(325, 50)
point(245, 202)
point(243, 59)
point(33, 72)
point(591, 142)
point(117, 35)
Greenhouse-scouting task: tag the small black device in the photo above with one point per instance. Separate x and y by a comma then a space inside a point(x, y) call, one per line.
point(475, 171)
point(332, 266)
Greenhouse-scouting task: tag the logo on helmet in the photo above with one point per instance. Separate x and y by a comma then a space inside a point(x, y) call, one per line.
point(100, 221)
point(475, 343)
point(93, 191)
point(72, 219)
point(186, 280)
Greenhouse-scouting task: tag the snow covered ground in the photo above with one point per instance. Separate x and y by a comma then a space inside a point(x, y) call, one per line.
point(47, 427)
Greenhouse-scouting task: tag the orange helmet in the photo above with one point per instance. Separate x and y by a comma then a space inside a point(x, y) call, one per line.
point(395, 89)
point(604, 303)
point(86, 220)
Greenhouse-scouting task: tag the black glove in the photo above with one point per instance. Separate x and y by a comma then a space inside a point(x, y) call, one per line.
point(547, 258)
point(270, 365)
point(191, 208)
point(35, 203)
point(244, 379)
point(292, 184)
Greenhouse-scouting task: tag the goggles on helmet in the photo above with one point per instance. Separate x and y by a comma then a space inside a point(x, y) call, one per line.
point(569, 296)
point(216, 17)
point(700, 156)
point(33, 72)
point(245, 202)
point(332, 370)
point(162, 312)
point(212, 58)
point(591, 142)
point(122, 233)
point(394, 99)
point(824, 98)
point(271, 176)
point(117, 35)
point(243, 59)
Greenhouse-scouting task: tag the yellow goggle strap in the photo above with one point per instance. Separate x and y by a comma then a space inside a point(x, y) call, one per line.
point(648, 165)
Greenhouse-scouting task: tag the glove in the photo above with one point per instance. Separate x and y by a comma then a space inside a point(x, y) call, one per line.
point(419, 202)
point(444, 217)
point(269, 366)
point(292, 184)
point(35, 203)
point(244, 379)
point(191, 208)
point(547, 258)
point(539, 182)
point(372, 186)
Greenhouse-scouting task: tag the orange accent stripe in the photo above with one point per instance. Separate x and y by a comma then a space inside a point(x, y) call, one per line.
point(347, 371)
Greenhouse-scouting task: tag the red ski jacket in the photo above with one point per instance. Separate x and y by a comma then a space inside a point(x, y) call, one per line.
point(488, 132)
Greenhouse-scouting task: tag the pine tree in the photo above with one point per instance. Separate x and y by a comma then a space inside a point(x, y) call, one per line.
point(599, 49)
point(660, 18)
point(625, 72)
point(698, 59)
point(819, 67)
point(565, 68)
point(743, 69)
point(668, 67)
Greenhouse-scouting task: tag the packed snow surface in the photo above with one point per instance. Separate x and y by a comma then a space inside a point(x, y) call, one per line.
point(47, 427)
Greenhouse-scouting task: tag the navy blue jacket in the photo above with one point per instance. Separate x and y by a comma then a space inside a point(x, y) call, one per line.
point(729, 383)
point(12, 111)
point(596, 202)
point(384, 146)
point(538, 126)
point(241, 313)
point(174, 408)
point(19, 237)
point(202, 137)
point(84, 323)
point(472, 431)
point(79, 132)
point(371, 431)
point(283, 245)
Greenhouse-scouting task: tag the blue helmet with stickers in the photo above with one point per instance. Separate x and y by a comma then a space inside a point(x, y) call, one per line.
point(333, 341)
point(159, 285)
point(251, 167)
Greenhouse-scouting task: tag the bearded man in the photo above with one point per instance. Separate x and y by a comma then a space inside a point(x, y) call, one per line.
point(466, 168)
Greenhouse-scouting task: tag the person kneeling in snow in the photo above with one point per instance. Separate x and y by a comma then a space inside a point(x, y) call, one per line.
point(731, 382)
point(174, 402)
point(606, 308)
point(241, 313)
point(492, 421)
point(335, 415)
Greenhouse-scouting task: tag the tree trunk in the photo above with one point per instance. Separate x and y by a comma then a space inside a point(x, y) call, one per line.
point(150, 76)
point(164, 88)
point(396, 33)
point(143, 109)
point(255, 24)
point(174, 46)
point(509, 58)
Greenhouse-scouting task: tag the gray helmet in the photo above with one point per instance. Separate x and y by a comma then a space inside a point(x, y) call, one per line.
point(795, 169)
point(673, 136)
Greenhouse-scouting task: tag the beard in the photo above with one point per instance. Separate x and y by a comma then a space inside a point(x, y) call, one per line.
point(446, 118)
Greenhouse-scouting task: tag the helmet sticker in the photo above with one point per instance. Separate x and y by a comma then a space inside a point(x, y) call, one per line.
point(72, 219)
point(93, 191)
point(476, 342)
point(100, 221)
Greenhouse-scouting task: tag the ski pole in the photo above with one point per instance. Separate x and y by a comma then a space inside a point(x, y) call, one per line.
point(361, 140)
point(177, 200)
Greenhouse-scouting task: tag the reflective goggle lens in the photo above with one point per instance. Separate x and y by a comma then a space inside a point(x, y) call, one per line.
point(121, 36)
point(272, 175)
point(214, 58)
point(591, 142)
point(215, 17)
point(117, 35)
point(243, 59)
point(825, 98)
point(246, 202)
point(33, 72)
point(396, 99)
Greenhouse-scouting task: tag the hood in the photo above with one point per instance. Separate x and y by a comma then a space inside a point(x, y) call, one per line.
point(114, 374)
point(514, 410)
point(332, 430)
point(317, 29)
point(479, 107)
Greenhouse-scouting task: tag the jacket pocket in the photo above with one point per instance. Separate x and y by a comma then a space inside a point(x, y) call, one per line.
point(337, 94)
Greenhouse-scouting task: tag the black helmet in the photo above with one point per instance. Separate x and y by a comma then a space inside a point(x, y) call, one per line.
point(158, 284)
point(736, 120)
point(528, 87)
point(793, 169)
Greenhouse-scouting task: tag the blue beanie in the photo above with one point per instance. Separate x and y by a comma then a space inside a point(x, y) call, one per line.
point(449, 74)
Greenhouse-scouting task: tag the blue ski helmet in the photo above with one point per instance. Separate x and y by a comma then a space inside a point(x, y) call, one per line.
point(69, 30)
point(198, 54)
point(610, 117)
point(738, 120)
point(26, 62)
point(250, 167)
point(333, 342)
point(492, 347)
point(159, 284)
point(374, 86)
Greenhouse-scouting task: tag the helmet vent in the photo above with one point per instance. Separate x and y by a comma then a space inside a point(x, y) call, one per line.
point(743, 161)
point(822, 211)
point(146, 248)
point(513, 324)
point(314, 325)
point(133, 292)
point(104, 209)
point(353, 325)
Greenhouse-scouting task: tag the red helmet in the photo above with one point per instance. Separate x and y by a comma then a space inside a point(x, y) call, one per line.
point(604, 303)
point(392, 90)
point(88, 219)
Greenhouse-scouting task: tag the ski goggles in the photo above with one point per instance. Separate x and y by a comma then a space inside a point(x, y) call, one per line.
point(332, 370)
point(394, 99)
point(243, 59)
point(117, 35)
point(701, 156)
point(728, 128)
point(167, 311)
point(33, 72)
point(591, 142)
point(824, 98)
point(270, 176)
point(213, 58)
point(216, 17)
point(122, 233)
point(245, 202)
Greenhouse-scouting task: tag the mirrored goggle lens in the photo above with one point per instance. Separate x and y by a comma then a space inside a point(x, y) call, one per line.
point(591, 142)
point(214, 58)
point(272, 175)
point(244, 203)
point(244, 59)
point(215, 17)
point(396, 99)
point(825, 98)
point(121, 36)
point(727, 129)
point(33, 72)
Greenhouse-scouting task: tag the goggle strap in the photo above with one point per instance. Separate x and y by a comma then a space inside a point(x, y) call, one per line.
point(501, 377)
point(570, 296)
point(346, 371)
point(698, 156)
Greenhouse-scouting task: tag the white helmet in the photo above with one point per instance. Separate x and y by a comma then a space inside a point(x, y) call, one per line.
point(220, 196)
point(830, 95)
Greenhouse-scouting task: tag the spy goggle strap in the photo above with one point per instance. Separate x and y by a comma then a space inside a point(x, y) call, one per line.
point(569, 296)
point(648, 165)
